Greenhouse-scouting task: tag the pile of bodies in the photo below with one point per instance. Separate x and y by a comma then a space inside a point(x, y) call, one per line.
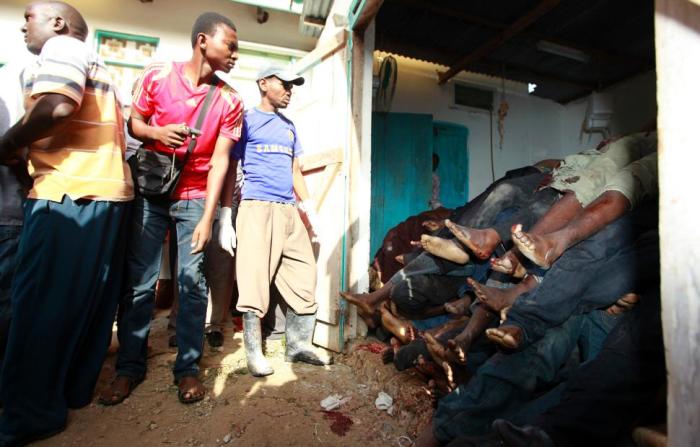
point(534, 311)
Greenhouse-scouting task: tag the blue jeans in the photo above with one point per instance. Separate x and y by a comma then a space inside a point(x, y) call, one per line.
point(424, 282)
point(9, 242)
point(414, 293)
point(513, 190)
point(149, 224)
point(590, 275)
point(608, 396)
point(505, 385)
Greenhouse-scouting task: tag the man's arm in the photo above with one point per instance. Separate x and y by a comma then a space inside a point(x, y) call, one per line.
point(229, 187)
point(50, 112)
point(171, 135)
point(307, 205)
point(298, 181)
point(218, 168)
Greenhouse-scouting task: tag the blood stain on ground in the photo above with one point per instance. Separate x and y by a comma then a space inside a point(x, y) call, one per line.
point(340, 424)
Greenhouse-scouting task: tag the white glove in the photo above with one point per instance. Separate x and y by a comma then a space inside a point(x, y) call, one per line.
point(308, 206)
point(227, 235)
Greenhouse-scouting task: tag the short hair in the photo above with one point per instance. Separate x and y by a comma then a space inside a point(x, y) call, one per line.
point(77, 27)
point(207, 23)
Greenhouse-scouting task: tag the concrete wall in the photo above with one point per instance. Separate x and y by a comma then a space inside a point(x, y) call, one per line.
point(535, 128)
point(634, 101)
point(171, 20)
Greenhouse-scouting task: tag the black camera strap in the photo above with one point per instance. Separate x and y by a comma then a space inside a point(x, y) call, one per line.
point(200, 119)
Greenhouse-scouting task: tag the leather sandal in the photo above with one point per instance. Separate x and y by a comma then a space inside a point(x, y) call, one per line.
point(116, 397)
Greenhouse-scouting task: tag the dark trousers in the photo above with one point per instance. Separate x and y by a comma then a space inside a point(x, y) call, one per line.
point(148, 226)
point(605, 398)
point(593, 274)
point(507, 384)
point(64, 298)
point(517, 193)
point(422, 283)
point(9, 242)
point(516, 187)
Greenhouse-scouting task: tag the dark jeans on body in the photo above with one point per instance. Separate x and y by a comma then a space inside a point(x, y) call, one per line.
point(149, 224)
point(507, 384)
point(606, 397)
point(516, 187)
point(590, 275)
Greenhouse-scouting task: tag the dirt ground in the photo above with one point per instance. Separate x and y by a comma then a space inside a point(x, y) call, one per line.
point(279, 410)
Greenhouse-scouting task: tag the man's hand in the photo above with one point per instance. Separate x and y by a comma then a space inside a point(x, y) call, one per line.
point(308, 206)
point(200, 236)
point(227, 234)
point(172, 135)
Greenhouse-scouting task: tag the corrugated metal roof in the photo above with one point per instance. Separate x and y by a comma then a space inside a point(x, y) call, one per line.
point(293, 6)
point(315, 10)
point(618, 35)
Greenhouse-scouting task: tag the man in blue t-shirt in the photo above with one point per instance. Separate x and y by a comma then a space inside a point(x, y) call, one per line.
point(273, 244)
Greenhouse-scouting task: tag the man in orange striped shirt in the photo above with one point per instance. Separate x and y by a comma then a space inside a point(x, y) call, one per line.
point(68, 276)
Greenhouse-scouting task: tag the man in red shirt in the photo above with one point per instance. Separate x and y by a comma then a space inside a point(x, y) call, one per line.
point(166, 104)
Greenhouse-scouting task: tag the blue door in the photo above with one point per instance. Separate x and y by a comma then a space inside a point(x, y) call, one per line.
point(450, 143)
point(402, 148)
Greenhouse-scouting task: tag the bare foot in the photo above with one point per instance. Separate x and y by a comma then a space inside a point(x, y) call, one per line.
point(459, 306)
point(365, 310)
point(454, 323)
point(507, 336)
point(509, 264)
point(359, 300)
point(429, 369)
point(504, 313)
point(492, 297)
point(433, 225)
point(459, 349)
point(389, 353)
point(624, 304)
point(444, 248)
point(541, 250)
point(402, 329)
point(481, 242)
point(455, 375)
point(437, 389)
point(438, 352)
point(435, 348)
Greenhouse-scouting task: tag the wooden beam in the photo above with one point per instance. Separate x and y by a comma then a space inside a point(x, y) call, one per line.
point(539, 75)
point(315, 21)
point(594, 53)
point(517, 27)
point(369, 12)
point(454, 14)
point(494, 68)
point(677, 28)
point(331, 173)
point(320, 160)
point(323, 51)
point(608, 84)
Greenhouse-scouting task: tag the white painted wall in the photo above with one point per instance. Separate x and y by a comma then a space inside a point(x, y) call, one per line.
point(171, 20)
point(535, 128)
point(634, 102)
